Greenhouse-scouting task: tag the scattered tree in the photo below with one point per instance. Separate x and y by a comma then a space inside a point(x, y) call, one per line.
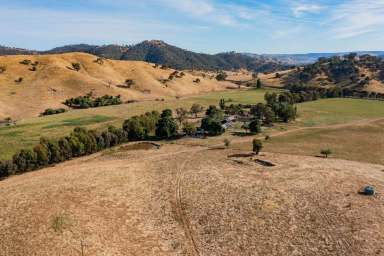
point(326, 152)
point(222, 104)
point(196, 109)
point(257, 146)
point(258, 84)
point(181, 115)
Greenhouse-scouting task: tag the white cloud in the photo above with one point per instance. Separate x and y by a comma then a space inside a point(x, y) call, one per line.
point(213, 11)
point(357, 17)
point(300, 9)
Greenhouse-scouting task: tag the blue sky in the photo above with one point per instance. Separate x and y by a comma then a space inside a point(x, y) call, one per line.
point(211, 26)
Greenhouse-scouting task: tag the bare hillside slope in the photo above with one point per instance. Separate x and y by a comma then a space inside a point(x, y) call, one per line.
point(193, 201)
point(47, 80)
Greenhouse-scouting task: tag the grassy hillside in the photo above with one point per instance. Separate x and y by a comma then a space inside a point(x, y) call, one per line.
point(156, 51)
point(45, 81)
point(362, 75)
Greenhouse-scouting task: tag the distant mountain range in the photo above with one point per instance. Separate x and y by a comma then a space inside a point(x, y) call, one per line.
point(310, 58)
point(159, 52)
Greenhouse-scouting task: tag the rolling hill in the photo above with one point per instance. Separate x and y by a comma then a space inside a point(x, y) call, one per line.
point(156, 51)
point(45, 81)
point(352, 73)
point(159, 52)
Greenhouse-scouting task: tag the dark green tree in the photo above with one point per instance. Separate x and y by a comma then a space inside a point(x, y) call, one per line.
point(222, 104)
point(166, 126)
point(258, 84)
point(212, 126)
point(255, 126)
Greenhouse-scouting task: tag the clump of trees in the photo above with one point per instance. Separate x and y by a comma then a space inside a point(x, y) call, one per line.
point(89, 102)
point(50, 111)
point(282, 107)
point(141, 127)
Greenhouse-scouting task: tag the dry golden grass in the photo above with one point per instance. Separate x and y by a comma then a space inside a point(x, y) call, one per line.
point(182, 200)
point(54, 81)
point(271, 80)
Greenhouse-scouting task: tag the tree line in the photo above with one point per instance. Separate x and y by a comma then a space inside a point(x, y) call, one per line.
point(88, 102)
point(83, 142)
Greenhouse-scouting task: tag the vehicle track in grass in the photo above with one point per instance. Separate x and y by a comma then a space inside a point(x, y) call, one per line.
point(193, 249)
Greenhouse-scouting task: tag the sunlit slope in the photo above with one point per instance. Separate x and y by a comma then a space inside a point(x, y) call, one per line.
point(25, 93)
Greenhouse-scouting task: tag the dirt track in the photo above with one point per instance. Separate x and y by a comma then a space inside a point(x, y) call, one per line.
point(192, 201)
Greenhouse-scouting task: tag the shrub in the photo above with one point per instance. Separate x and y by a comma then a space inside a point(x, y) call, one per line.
point(76, 66)
point(50, 111)
point(25, 62)
point(129, 83)
point(19, 80)
point(221, 76)
point(189, 128)
point(257, 145)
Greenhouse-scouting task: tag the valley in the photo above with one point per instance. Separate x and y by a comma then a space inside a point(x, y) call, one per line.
point(260, 167)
